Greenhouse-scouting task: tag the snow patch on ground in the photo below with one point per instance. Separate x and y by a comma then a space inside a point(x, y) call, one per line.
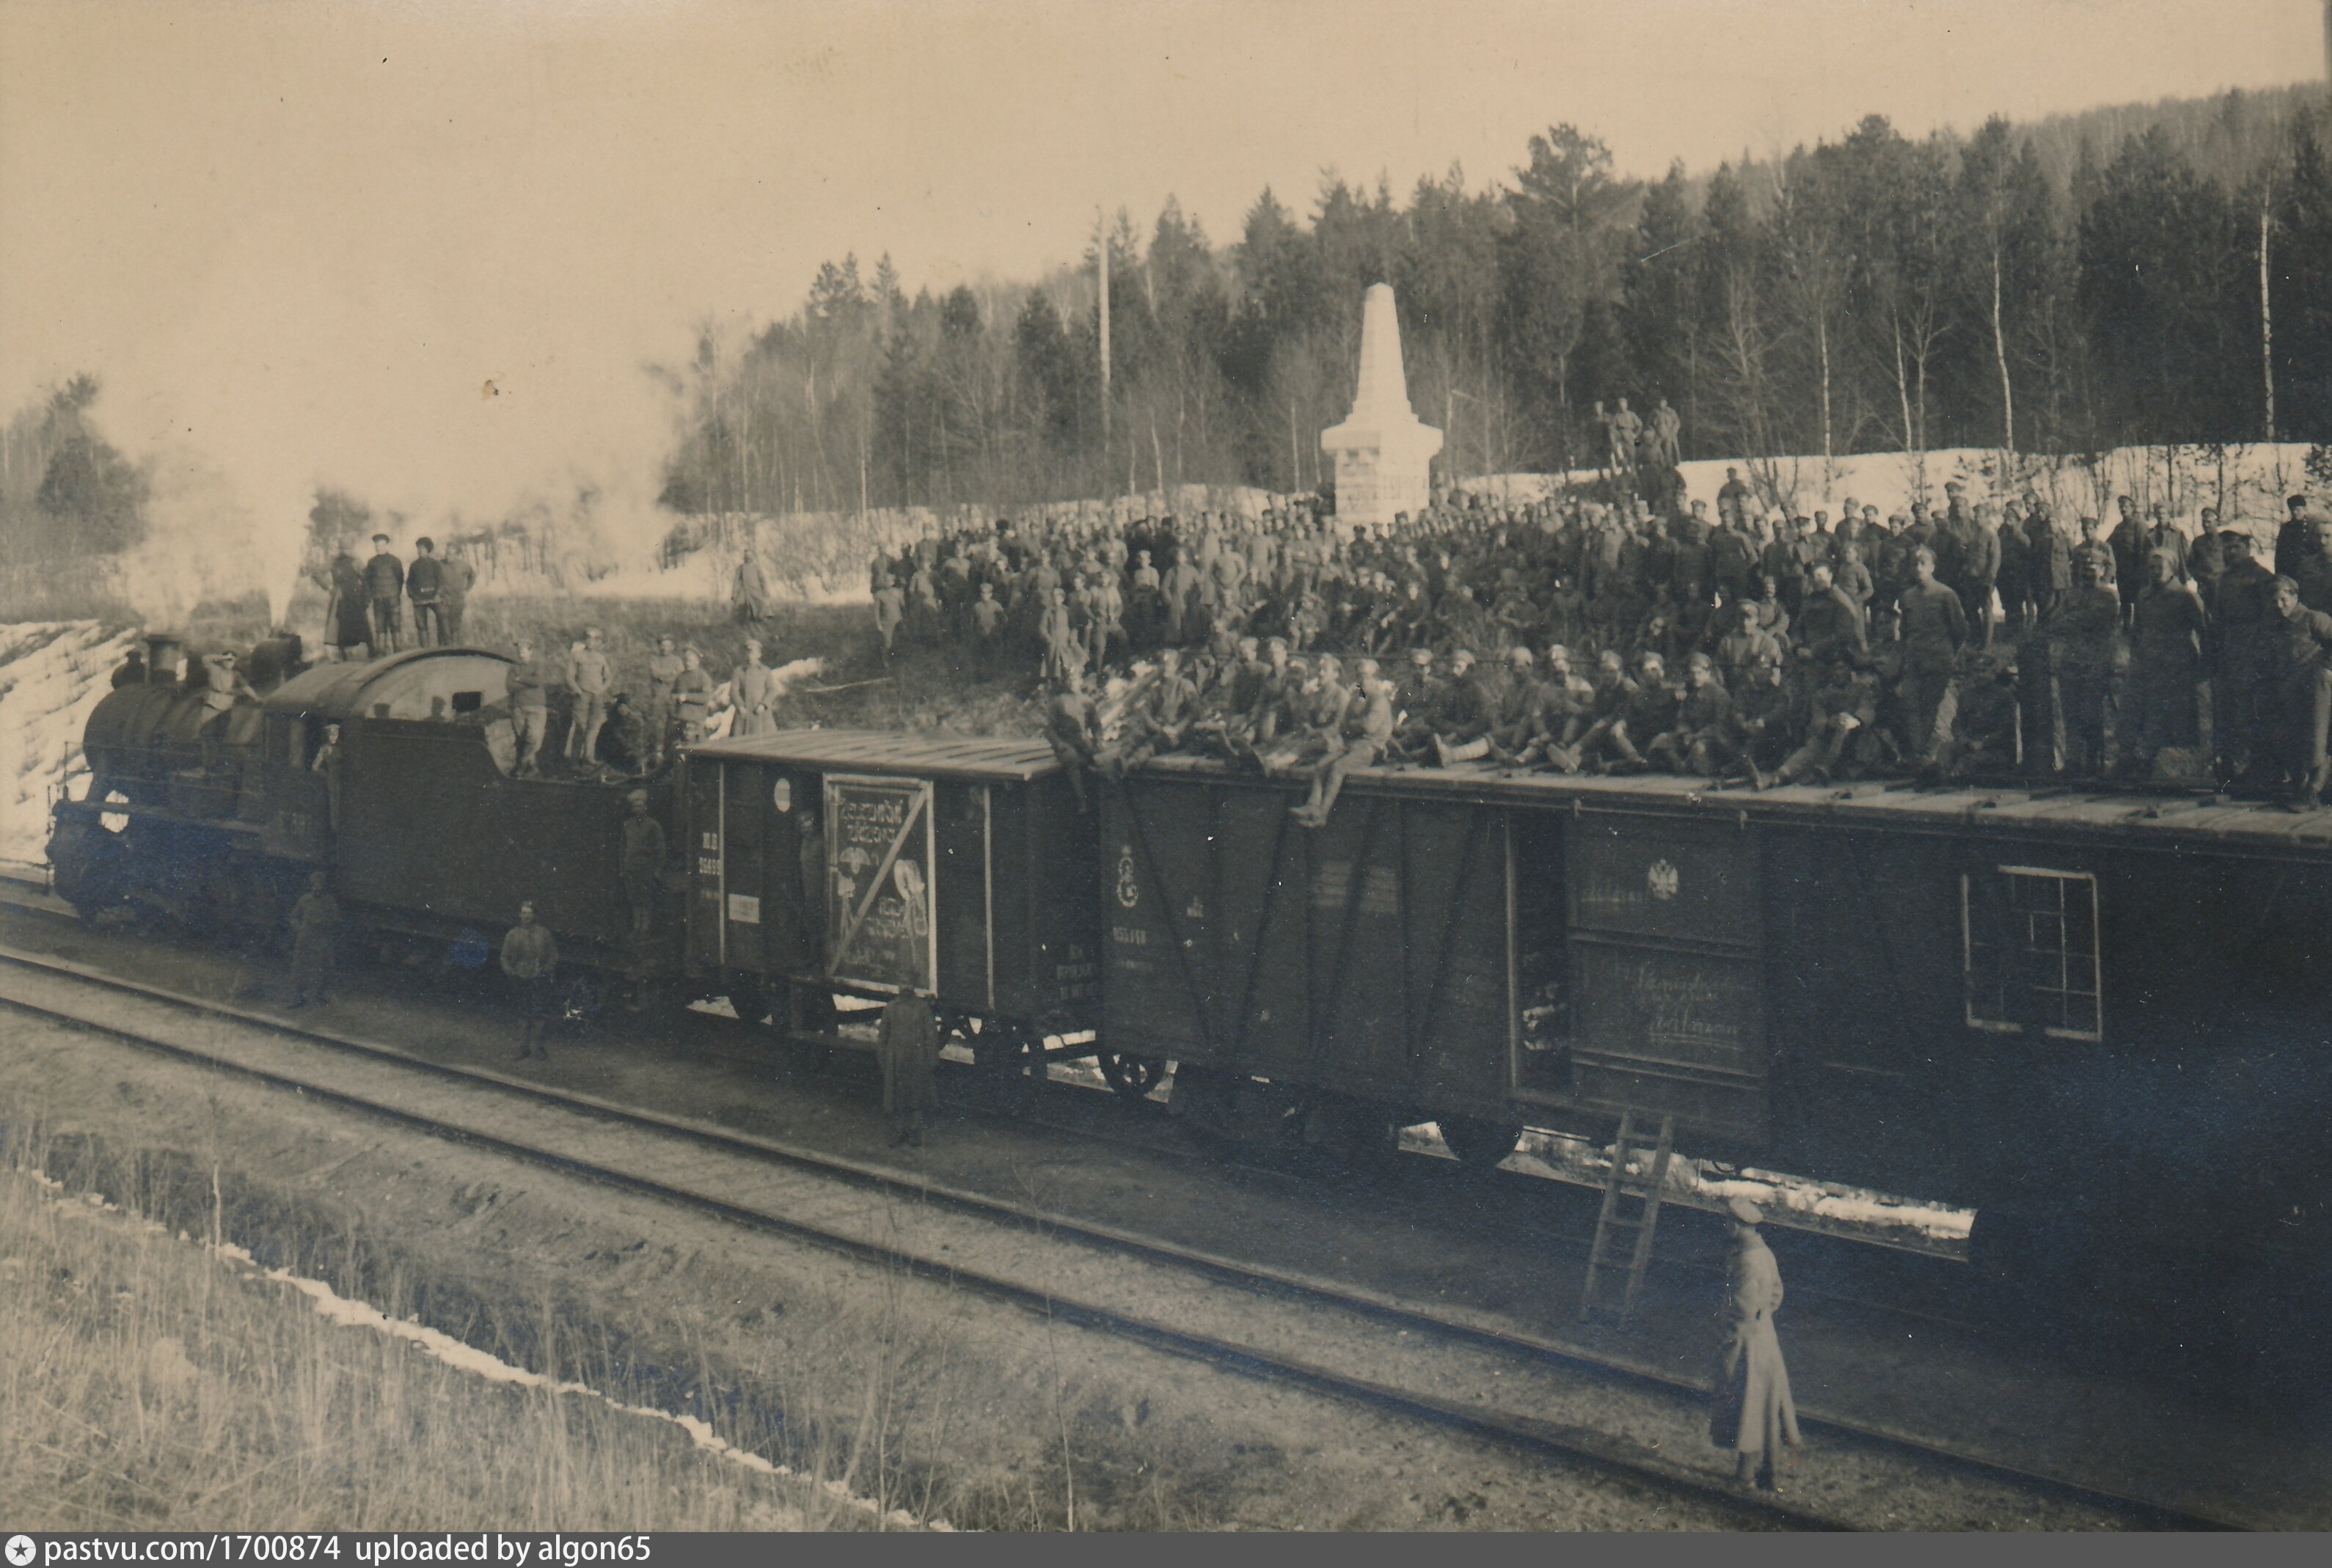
point(51, 674)
point(344, 1312)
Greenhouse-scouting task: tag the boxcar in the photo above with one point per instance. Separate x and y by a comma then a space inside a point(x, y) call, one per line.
point(2108, 1006)
point(858, 863)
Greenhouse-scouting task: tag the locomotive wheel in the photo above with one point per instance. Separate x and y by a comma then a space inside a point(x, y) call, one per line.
point(1132, 1076)
point(1479, 1145)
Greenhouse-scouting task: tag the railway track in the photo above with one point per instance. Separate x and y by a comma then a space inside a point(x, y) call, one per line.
point(1893, 1458)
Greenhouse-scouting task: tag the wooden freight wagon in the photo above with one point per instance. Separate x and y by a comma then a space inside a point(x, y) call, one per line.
point(2035, 1001)
point(861, 862)
point(1362, 971)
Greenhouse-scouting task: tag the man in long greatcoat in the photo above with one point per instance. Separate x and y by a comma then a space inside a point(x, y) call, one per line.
point(908, 1043)
point(1753, 1416)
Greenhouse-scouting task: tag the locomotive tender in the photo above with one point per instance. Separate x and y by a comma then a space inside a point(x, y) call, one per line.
point(2098, 1018)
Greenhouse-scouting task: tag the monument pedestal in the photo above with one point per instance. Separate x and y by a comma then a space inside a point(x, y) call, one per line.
point(1384, 453)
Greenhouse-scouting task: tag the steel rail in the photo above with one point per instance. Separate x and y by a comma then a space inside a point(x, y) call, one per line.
point(1595, 1448)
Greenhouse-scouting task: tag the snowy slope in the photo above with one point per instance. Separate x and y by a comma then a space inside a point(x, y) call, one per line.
point(51, 674)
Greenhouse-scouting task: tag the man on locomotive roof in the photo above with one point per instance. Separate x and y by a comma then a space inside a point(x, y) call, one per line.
point(384, 582)
point(530, 705)
point(664, 673)
point(424, 582)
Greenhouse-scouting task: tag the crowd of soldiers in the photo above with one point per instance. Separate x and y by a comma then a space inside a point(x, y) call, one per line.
point(607, 723)
point(1977, 638)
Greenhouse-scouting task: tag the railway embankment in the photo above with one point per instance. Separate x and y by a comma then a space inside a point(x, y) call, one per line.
point(917, 1396)
point(1466, 1249)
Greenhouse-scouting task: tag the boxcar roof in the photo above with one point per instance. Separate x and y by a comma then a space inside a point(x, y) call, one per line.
point(893, 751)
point(2160, 821)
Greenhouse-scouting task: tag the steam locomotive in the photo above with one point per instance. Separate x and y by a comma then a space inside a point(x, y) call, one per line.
point(2103, 1020)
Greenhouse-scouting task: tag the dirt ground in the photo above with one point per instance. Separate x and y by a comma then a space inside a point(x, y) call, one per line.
point(947, 1405)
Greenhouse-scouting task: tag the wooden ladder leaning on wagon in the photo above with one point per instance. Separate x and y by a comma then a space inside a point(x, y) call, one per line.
point(1632, 1207)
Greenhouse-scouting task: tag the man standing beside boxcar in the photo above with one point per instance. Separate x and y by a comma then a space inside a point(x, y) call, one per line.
point(530, 958)
point(1754, 1416)
point(384, 582)
point(908, 1042)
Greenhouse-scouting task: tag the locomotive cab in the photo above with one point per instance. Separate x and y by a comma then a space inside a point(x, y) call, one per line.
point(417, 811)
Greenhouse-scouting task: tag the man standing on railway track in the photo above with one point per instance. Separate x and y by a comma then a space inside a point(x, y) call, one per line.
point(908, 1042)
point(1754, 1415)
point(315, 927)
point(530, 958)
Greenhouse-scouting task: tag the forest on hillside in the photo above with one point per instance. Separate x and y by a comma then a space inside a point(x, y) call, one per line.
point(2133, 275)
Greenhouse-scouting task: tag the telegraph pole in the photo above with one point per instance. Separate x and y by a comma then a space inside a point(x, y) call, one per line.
point(1101, 266)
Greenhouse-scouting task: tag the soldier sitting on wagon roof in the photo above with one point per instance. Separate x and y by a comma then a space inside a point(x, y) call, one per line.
point(1074, 732)
point(1159, 721)
point(1368, 725)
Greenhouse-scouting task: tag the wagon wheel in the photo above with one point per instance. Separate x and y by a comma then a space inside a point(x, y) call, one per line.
point(582, 996)
point(1480, 1145)
point(1358, 1136)
point(751, 1002)
point(1003, 1048)
point(1132, 1076)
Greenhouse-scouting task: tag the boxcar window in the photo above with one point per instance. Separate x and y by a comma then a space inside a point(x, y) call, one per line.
point(2029, 941)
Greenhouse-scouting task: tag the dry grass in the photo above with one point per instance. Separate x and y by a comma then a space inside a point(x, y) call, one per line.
point(146, 1384)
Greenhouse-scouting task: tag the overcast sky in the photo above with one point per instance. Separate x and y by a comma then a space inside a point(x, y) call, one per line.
point(299, 239)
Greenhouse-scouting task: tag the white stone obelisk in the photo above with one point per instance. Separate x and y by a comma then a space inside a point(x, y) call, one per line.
point(1384, 453)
